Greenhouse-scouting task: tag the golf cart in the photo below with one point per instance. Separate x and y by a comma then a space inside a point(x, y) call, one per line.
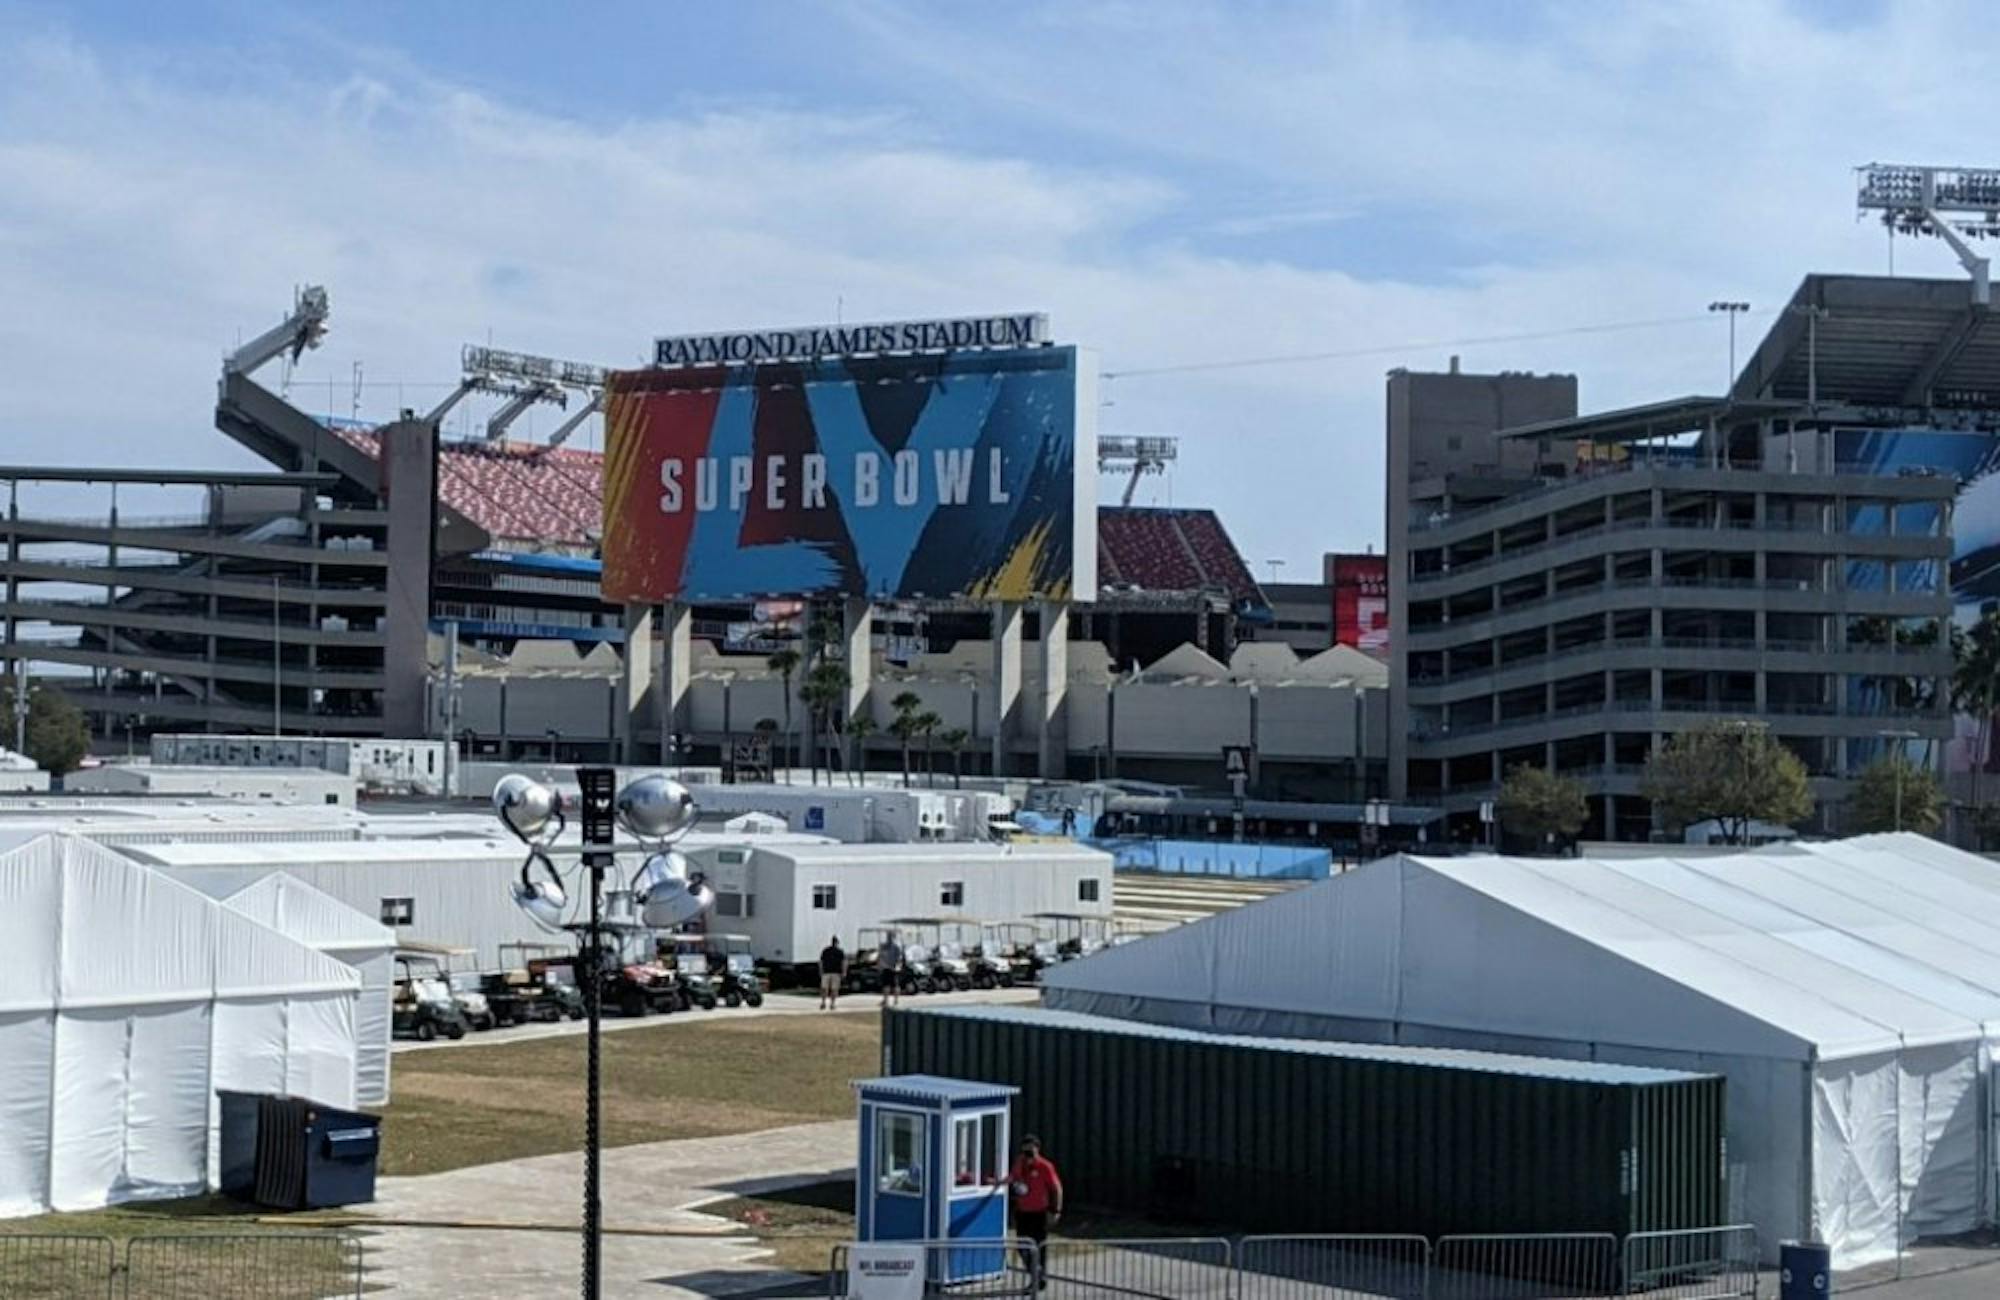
point(427, 961)
point(1012, 945)
point(549, 977)
point(988, 969)
point(633, 978)
point(687, 956)
point(736, 970)
point(423, 1007)
point(864, 969)
point(930, 956)
point(1074, 934)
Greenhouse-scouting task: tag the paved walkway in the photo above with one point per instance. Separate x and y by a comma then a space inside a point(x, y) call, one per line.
point(527, 1212)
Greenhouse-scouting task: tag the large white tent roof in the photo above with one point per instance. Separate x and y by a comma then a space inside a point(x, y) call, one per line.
point(1796, 952)
point(291, 906)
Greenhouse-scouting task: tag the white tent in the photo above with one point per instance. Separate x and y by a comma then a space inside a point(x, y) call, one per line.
point(292, 907)
point(130, 1000)
point(1850, 992)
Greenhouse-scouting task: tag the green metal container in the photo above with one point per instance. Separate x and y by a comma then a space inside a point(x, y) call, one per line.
point(1296, 1136)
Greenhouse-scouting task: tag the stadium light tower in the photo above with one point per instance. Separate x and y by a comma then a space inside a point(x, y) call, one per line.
point(1952, 203)
point(525, 379)
point(1136, 456)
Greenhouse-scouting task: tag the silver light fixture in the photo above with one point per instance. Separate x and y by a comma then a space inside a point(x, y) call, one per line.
point(533, 812)
point(670, 892)
point(526, 806)
point(656, 808)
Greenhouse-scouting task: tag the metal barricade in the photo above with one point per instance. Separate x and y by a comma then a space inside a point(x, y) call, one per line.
point(47, 1265)
point(1692, 1263)
point(1525, 1266)
point(1156, 1268)
point(982, 1270)
point(244, 1266)
point(1333, 1267)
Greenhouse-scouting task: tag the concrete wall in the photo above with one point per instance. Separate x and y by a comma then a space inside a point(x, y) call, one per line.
point(409, 469)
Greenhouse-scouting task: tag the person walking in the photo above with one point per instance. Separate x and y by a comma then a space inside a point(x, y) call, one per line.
point(832, 971)
point(889, 962)
point(1037, 1193)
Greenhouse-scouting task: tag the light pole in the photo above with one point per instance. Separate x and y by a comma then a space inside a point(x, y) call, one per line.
point(655, 811)
point(1732, 310)
point(277, 664)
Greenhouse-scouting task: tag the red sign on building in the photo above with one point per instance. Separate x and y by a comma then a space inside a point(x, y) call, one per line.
point(1360, 586)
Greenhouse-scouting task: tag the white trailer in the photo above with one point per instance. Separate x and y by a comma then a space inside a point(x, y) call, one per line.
point(396, 766)
point(790, 898)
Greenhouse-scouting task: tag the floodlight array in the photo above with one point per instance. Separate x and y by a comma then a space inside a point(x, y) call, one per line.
point(501, 364)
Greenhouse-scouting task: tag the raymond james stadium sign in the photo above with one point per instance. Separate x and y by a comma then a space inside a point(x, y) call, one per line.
point(813, 341)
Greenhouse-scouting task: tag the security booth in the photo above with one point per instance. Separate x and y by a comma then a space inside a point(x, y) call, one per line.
point(933, 1166)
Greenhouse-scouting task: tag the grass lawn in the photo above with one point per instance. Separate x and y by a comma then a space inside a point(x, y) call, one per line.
point(466, 1105)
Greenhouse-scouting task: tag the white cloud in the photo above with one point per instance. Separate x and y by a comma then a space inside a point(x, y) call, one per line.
point(1637, 163)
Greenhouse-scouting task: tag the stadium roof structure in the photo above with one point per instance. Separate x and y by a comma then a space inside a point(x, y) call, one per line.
point(1848, 347)
point(1878, 341)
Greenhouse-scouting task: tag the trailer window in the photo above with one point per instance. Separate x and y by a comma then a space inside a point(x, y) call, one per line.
point(1086, 889)
point(951, 894)
point(727, 904)
point(825, 898)
point(898, 1167)
point(399, 911)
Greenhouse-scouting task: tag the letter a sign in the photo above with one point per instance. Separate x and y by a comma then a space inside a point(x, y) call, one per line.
point(1236, 761)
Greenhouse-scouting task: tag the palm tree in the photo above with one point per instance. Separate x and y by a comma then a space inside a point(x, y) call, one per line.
point(861, 726)
point(904, 727)
point(784, 661)
point(927, 725)
point(1975, 684)
point(768, 729)
point(825, 694)
point(955, 741)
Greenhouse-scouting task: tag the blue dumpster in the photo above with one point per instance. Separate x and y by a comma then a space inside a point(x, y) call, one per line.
point(933, 1167)
point(1805, 1270)
point(293, 1154)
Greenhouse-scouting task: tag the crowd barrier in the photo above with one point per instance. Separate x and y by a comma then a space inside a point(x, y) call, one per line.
point(222, 1266)
point(1693, 1264)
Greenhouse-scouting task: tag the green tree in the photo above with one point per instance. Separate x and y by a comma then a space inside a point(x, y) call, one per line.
point(909, 706)
point(57, 734)
point(825, 694)
point(859, 728)
point(1732, 773)
point(1892, 793)
point(784, 661)
point(955, 741)
point(1536, 804)
point(1975, 683)
point(927, 726)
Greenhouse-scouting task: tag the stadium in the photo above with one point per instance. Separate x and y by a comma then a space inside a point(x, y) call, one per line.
point(316, 598)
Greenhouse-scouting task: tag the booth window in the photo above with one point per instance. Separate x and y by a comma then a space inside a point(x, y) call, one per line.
point(399, 911)
point(898, 1147)
point(825, 898)
point(732, 904)
point(1086, 889)
point(951, 894)
point(976, 1157)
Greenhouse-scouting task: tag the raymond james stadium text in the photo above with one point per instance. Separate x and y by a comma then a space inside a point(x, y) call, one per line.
point(835, 340)
point(787, 482)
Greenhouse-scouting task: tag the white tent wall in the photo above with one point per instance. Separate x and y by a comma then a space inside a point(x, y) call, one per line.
point(294, 908)
point(1850, 1027)
point(123, 1019)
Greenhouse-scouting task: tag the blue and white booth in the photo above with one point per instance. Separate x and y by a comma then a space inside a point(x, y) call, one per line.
point(933, 1166)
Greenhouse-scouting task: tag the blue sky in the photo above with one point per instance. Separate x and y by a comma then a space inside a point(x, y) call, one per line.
point(1173, 183)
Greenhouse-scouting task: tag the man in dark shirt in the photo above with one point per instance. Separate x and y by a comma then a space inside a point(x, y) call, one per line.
point(832, 970)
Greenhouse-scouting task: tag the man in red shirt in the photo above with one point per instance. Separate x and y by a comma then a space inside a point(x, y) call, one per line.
point(1038, 1200)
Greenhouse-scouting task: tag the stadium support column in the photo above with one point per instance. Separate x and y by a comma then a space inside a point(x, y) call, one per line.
point(409, 473)
point(857, 632)
point(1006, 678)
point(670, 693)
point(1052, 721)
point(633, 683)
